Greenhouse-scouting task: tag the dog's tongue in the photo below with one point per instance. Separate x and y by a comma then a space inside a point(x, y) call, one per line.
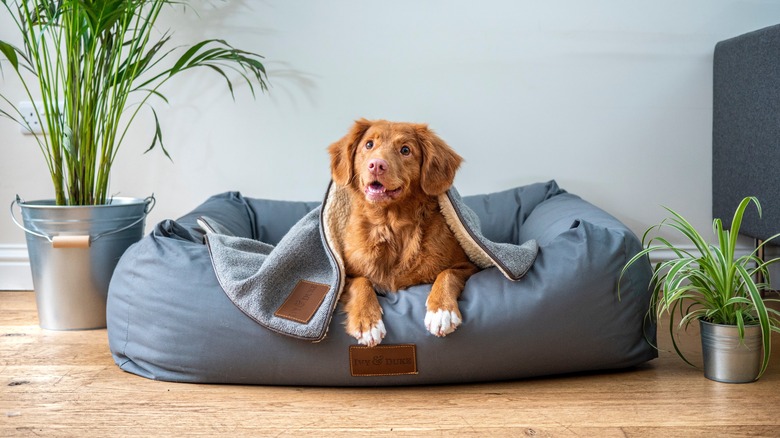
point(376, 192)
point(376, 187)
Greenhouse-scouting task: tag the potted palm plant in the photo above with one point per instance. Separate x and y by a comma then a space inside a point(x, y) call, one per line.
point(94, 66)
point(715, 287)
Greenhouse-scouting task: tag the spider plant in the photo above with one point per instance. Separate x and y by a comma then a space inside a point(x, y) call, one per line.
point(710, 283)
point(86, 58)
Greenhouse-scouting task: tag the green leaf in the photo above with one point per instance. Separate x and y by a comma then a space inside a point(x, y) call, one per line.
point(736, 222)
point(185, 58)
point(761, 314)
point(157, 136)
point(10, 53)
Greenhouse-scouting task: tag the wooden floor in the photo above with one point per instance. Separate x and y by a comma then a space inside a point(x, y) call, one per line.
point(66, 384)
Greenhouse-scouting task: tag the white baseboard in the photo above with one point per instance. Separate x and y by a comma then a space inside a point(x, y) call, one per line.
point(15, 268)
point(667, 254)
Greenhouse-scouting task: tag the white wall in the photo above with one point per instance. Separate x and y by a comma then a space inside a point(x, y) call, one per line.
point(611, 98)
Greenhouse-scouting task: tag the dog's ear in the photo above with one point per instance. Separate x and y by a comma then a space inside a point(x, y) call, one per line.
point(342, 152)
point(439, 162)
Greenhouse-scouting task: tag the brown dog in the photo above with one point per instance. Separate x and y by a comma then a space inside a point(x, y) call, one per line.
point(396, 236)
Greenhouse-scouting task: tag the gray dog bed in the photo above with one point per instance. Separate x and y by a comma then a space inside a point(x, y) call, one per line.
point(169, 318)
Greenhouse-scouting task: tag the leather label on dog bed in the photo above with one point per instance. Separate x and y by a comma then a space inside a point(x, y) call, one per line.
point(383, 360)
point(303, 301)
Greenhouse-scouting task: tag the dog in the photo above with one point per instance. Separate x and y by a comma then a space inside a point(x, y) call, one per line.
point(396, 236)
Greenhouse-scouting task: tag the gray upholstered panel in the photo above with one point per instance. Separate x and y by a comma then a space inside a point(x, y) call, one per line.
point(746, 129)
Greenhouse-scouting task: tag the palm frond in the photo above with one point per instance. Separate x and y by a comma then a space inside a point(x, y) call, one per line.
point(92, 55)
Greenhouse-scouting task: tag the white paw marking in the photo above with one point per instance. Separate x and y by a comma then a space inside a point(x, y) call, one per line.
point(373, 336)
point(441, 322)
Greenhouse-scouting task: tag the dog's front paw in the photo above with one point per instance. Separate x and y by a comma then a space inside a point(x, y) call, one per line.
point(442, 322)
point(371, 336)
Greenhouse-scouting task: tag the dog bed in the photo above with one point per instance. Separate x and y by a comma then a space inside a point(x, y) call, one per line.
point(169, 319)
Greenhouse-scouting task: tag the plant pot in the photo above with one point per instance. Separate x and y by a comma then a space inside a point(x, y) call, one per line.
point(73, 252)
point(727, 358)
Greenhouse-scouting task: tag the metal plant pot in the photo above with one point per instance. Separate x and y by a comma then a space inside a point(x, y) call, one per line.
point(727, 358)
point(73, 252)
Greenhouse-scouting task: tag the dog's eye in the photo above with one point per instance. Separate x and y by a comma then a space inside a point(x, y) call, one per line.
point(405, 150)
point(369, 144)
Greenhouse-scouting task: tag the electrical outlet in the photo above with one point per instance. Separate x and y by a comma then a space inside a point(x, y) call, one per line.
point(31, 122)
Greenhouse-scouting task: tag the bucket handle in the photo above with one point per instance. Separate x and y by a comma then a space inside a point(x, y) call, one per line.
point(80, 241)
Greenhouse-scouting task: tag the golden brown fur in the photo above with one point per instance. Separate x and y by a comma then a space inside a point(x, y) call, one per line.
point(396, 236)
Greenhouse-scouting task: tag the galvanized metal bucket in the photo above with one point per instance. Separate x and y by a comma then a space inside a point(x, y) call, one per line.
point(73, 252)
point(727, 358)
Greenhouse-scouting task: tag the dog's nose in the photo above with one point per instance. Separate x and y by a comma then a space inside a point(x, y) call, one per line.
point(377, 166)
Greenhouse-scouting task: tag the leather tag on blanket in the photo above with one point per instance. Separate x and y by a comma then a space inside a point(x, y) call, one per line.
point(303, 301)
point(383, 360)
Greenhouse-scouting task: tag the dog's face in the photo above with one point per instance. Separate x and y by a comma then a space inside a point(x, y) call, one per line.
point(388, 161)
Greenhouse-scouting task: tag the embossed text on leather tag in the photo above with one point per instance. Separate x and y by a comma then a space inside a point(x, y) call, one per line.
point(383, 360)
point(303, 301)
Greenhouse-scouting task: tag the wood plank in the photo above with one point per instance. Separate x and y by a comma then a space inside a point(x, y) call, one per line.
point(66, 384)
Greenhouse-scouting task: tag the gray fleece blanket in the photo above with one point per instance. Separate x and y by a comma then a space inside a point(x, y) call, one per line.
point(293, 287)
